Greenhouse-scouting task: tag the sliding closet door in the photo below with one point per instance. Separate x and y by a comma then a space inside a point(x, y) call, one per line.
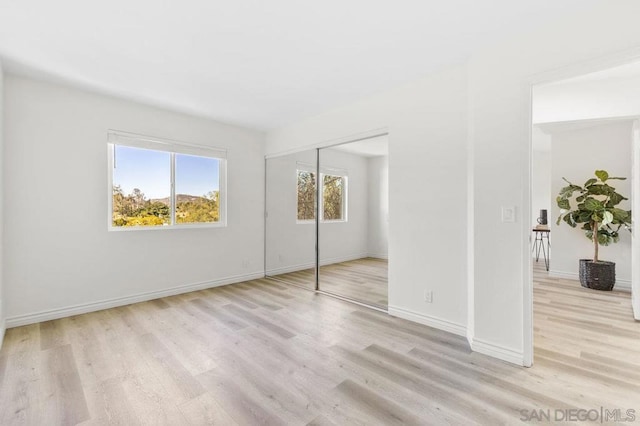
point(353, 210)
point(290, 227)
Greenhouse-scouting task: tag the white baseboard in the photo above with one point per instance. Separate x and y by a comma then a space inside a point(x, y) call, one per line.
point(83, 308)
point(624, 285)
point(309, 265)
point(497, 351)
point(431, 321)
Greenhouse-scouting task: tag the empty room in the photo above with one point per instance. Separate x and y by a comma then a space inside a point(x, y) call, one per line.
point(323, 213)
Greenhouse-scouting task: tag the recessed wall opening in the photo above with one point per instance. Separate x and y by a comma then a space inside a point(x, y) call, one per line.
point(584, 186)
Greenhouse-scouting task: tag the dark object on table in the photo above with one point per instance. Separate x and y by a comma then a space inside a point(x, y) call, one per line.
point(542, 220)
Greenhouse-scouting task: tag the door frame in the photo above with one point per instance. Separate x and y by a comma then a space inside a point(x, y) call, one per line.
point(574, 70)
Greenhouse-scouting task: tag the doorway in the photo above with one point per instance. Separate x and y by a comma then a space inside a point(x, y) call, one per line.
point(580, 125)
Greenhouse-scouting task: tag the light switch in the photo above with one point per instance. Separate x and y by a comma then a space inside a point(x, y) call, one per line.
point(508, 214)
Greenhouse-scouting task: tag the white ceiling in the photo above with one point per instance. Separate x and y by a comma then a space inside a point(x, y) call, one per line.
point(372, 147)
point(257, 63)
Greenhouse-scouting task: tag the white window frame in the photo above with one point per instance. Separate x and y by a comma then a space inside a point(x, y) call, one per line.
point(320, 180)
point(119, 138)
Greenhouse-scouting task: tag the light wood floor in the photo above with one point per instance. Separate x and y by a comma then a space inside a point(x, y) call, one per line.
point(363, 279)
point(267, 353)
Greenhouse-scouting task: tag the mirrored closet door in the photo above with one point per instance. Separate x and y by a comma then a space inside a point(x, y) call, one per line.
point(330, 207)
point(354, 214)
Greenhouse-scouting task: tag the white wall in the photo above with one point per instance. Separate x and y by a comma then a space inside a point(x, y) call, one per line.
point(378, 242)
point(290, 246)
point(587, 99)
point(540, 179)
point(540, 185)
point(2, 309)
point(427, 128)
point(62, 255)
point(576, 155)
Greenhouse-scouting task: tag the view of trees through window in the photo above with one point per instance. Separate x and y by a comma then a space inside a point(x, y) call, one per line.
point(306, 195)
point(142, 188)
point(332, 196)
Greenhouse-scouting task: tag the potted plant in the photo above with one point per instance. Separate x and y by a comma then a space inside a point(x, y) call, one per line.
point(601, 221)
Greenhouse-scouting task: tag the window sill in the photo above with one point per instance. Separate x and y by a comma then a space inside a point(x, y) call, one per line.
point(165, 227)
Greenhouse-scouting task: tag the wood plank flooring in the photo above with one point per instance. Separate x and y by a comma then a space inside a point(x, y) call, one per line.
point(363, 279)
point(262, 352)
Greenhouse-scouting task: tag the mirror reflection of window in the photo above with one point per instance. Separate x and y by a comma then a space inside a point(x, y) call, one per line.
point(306, 195)
point(333, 197)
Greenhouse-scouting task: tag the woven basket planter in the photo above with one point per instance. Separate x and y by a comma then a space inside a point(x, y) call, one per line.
point(599, 275)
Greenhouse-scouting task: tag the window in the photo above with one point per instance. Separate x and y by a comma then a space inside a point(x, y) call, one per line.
point(333, 198)
point(306, 195)
point(159, 184)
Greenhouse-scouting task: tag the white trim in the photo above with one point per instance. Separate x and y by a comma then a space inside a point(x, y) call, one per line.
point(497, 351)
point(471, 208)
point(429, 320)
point(83, 308)
point(118, 137)
point(527, 270)
point(309, 265)
point(623, 285)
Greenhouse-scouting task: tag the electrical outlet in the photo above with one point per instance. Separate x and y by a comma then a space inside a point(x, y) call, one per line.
point(428, 296)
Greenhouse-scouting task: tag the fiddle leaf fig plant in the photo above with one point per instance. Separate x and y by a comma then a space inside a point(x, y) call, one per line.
point(595, 209)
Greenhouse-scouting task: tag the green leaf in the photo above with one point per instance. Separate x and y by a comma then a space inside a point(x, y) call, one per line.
point(569, 220)
point(599, 189)
point(620, 216)
point(584, 216)
point(602, 175)
point(596, 217)
point(617, 178)
point(581, 198)
point(593, 205)
point(563, 203)
point(568, 191)
point(590, 182)
point(607, 218)
point(603, 239)
point(615, 199)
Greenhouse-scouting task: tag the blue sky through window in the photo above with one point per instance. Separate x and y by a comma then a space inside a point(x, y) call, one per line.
point(150, 171)
point(197, 175)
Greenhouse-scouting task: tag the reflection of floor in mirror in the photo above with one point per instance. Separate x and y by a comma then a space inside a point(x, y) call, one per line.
point(362, 279)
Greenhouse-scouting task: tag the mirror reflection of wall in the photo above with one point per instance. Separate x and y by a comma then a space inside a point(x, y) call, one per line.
point(290, 235)
point(354, 214)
